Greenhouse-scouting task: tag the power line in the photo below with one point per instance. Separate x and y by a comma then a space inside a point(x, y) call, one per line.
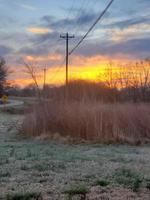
point(61, 65)
point(66, 17)
point(85, 11)
point(77, 30)
point(80, 17)
point(79, 11)
point(71, 9)
point(91, 28)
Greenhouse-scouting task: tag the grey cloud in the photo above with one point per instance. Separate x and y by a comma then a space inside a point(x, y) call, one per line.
point(4, 50)
point(33, 51)
point(129, 22)
point(47, 37)
point(139, 48)
point(84, 19)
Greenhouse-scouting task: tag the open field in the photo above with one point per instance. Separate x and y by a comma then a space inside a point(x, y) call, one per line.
point(104, 172)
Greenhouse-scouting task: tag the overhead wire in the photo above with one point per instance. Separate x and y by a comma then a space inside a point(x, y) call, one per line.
point(84, 10)
point(77, 16)
point(91, 28)
point(70, 10)
point(62, 63)
point(87, 33)
point(66, 18)
point(80, 17)
point(87, 5)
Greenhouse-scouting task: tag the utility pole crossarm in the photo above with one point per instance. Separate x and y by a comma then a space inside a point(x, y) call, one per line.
point(67, 37)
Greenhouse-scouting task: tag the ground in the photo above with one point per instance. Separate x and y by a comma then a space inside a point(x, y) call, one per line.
point(52, 168)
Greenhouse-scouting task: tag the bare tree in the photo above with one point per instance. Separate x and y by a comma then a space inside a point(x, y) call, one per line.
point(31, 69)
point(109, 76)
point(133, 79)
point(3, 74)
point(144, 79)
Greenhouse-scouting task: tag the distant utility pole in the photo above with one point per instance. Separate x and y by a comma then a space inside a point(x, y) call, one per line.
point(44, 83)
point(67, 37)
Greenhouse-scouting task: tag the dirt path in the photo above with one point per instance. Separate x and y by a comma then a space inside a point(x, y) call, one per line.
point(48, 167)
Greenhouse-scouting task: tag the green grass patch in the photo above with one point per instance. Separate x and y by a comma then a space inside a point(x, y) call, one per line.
point(4, 161)
point(24, 167)
point(128, 178)
point(53, 166)
point(147, 184)
point(102, 183)
point(76, 190)
point(24, 196)
point(4, 174)
point(41, 167)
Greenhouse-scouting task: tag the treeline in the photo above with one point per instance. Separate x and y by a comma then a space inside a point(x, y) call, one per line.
point(125, 84)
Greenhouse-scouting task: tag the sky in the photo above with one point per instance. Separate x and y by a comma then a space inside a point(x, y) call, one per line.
point(30, 32)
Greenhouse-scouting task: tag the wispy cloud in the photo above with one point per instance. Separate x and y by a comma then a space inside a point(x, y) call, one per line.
point(28, 7)
point(39, 30)
point(132, 32)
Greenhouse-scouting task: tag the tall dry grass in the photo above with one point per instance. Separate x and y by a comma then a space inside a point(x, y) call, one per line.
point(90, 119)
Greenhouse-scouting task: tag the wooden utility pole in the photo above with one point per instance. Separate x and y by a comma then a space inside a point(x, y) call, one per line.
point(44, 83)
point(67, 37)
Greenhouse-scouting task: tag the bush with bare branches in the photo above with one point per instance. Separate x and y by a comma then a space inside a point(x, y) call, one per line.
point(89, 119)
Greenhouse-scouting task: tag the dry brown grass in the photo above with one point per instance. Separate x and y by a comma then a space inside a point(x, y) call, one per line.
point(88, 118)
point(91, 121)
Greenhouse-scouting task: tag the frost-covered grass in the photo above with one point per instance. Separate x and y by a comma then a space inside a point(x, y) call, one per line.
point(50, 168)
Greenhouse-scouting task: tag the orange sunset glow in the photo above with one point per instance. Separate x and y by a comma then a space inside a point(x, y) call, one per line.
point(92, 69)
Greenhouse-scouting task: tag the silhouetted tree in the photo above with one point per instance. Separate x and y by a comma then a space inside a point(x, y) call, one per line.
point(3, 75)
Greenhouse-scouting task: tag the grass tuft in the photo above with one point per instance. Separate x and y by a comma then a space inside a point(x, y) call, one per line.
point(25, 196)
point(148, 184)
point(76, 190)
point(4, 174)
point(128, 178)
point(102, 183)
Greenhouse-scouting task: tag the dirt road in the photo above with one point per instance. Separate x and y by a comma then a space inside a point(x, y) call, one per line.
point(12, 103)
